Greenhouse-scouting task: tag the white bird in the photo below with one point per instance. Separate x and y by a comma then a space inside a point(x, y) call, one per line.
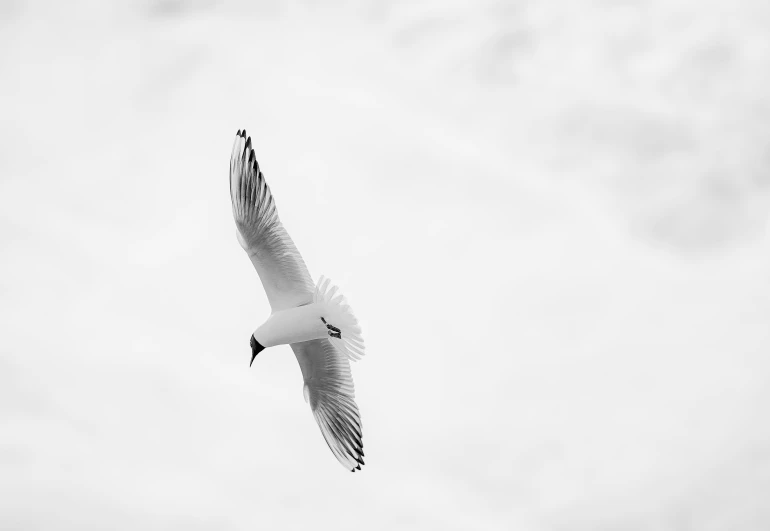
point(315, 320)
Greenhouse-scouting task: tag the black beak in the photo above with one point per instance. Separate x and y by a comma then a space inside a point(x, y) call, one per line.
point(256, 348)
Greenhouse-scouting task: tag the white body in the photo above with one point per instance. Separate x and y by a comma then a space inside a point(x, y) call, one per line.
point(294, 325)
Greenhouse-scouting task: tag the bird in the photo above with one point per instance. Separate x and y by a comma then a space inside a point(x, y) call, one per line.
point(314, 319)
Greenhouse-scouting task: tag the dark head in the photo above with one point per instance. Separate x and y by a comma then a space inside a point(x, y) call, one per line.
point(256, 348)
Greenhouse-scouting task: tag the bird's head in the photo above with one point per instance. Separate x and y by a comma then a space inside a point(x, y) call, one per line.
point(256, 348)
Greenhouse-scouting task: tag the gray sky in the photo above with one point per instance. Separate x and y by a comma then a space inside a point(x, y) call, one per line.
point(550, 218)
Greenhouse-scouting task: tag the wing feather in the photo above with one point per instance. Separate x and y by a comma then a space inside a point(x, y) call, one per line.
point(281, 269)
point(329, 387)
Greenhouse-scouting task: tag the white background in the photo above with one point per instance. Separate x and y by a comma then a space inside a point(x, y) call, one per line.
point(551, 219)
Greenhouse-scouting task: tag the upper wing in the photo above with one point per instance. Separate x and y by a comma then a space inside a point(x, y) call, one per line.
point(329, 389)
point(283, 273)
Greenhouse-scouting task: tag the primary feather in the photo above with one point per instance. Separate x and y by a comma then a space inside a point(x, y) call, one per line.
point(281, 269)
point(330, 392)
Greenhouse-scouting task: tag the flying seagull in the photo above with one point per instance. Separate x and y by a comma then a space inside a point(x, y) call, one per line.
point(314, 319)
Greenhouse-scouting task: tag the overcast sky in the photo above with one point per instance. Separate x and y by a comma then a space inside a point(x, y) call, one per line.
point(550, 218)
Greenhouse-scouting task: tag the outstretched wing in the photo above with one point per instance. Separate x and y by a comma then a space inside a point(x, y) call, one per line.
point(281, 269)
point(329, 390)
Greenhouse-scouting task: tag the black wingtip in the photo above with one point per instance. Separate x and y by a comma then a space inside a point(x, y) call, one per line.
point(256, 348)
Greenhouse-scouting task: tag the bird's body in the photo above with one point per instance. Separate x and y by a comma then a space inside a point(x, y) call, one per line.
point(314, 320)
point(294, 325)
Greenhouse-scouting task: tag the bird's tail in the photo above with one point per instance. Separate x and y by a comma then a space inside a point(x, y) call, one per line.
point(344, 332)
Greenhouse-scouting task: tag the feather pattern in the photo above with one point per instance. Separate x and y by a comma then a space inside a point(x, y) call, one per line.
point(281, 268)
point(329, 390)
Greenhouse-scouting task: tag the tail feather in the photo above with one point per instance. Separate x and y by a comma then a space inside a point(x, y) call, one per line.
point(344, 331)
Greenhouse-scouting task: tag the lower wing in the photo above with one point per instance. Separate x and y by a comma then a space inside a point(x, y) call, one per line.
point(329, 390)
